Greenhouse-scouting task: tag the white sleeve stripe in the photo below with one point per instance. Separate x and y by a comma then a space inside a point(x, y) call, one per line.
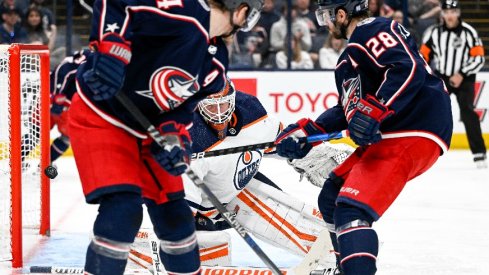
point(413, 69)
point(356, 45)
point(66, 79)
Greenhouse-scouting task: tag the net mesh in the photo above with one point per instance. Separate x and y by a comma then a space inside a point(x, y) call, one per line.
point(30, 150)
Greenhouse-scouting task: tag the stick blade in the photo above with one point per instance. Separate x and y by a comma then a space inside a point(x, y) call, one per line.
point(319, 249)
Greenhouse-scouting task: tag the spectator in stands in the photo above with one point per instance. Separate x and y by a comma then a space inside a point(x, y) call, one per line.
point(422, 14)
point(378, 8)
point(398, 16)
point(48, 20)
point(304, 12)
point(7, 5)
point(10, 30)
point(269, 15)
point(300, 30)
point(330, 52)
point(247, 48)
point(35, 30)
point(300, 59)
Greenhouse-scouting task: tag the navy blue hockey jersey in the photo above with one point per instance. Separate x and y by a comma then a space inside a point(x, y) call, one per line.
point(382, 60)
point(173, 59)
point(62, 78)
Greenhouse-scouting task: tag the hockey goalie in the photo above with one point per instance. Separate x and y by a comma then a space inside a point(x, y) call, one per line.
point(230, 119)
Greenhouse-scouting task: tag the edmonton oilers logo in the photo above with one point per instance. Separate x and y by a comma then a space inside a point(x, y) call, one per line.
point(246, 167)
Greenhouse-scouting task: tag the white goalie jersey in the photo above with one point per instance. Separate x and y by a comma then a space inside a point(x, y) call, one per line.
point(227, 175)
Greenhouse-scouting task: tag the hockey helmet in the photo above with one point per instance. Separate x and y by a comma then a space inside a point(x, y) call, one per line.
point(217, 109)
point(254, 11)
point(327, 9)
point(449, 4)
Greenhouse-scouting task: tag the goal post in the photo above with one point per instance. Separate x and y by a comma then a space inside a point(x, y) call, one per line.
point(24, 147)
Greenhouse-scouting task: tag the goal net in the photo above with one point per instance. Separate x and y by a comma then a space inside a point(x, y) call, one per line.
point(24, 146)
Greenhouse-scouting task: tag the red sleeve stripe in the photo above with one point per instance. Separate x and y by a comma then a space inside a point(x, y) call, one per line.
point(341, 63)
point(103, 10)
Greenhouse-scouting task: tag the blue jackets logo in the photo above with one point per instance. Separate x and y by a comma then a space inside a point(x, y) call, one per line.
point(171, 86)
point(351, 95)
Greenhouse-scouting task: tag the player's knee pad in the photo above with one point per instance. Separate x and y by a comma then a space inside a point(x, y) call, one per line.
point(120, 216)
point(358, 242)
point(327, 199)
point(175, 228)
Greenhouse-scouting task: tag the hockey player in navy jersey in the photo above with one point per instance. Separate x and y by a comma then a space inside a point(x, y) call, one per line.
point(62, 90)
point(395, 110)
point(159, 54)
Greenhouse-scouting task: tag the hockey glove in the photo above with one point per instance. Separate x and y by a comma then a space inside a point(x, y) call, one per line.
point(108, 71)
point(174, 157)
point(365, 121)
point(287, 141)
point(59, 104)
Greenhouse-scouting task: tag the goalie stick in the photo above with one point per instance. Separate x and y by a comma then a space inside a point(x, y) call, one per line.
point(266, 145)
point(171, 139)
point(305, 267)
point(75, 270)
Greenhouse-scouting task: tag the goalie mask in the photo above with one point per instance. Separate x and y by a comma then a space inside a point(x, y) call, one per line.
point(217, 109)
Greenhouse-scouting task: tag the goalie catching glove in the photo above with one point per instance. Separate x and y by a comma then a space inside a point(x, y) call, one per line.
point(287, 141)
point(321, 161)
point(174, 157)
point(108, 71)
point(364, 123)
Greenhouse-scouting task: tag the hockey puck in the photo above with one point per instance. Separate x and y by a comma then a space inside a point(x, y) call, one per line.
point(50, 172)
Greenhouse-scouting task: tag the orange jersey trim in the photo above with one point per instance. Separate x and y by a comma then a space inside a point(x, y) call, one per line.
point(425, 51)
point(477, 51)
point(244, 127)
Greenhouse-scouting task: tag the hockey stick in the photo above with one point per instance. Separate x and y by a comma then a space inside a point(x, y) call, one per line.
point(75, 270)
point(320, 247)
point(168, 140)
point(266, 145)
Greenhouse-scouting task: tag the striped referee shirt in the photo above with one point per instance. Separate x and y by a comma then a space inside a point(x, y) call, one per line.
point(454, 51)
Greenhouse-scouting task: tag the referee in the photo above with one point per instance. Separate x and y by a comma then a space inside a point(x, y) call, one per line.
point(458, 55)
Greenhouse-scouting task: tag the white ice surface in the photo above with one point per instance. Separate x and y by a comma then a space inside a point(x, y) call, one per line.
point(438, 225)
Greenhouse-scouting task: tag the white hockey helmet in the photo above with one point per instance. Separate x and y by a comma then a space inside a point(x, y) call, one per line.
point(217, 109)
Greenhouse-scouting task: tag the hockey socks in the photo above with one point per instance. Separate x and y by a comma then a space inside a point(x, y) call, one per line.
point(104, 258)
point(119, 217)
point(58, 147)
point(174, 226)
point(358, 247)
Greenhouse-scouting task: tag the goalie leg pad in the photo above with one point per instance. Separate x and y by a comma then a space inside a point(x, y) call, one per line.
point(358, 242)
point(174, 226)
point(109, 248)
point(276, 217)
point(214, 248)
